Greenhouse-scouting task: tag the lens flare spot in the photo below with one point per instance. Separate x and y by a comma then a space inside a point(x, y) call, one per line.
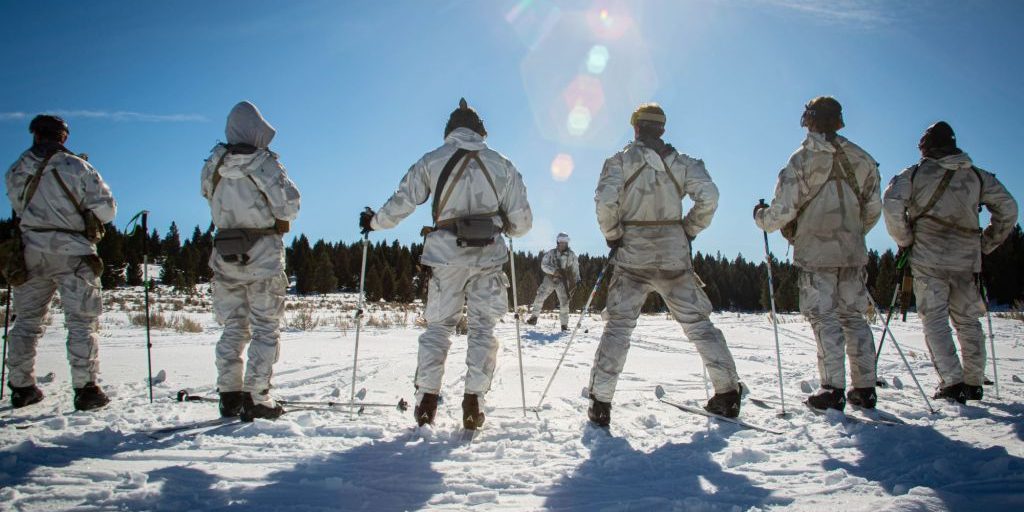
point(579, 121)
point(561, 167)
point(597, 59)
point(606, 18)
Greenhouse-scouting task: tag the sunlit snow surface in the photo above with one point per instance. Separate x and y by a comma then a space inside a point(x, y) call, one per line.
point(654, 457)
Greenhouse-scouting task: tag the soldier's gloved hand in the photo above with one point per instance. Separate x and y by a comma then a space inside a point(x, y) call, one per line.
point(614, 244)
point(365, 217)
point(758, 207)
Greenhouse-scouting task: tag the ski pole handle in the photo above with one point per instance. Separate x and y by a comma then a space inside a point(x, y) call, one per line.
point(145, 222)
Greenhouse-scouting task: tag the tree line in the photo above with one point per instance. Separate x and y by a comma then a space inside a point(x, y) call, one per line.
point(393, 272)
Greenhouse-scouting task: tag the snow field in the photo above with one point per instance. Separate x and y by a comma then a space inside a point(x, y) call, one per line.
point(654, 457)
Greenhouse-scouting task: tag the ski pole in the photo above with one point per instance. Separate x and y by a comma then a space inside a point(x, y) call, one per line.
point(359, 316)
point(991, 334)
point(901, 264)
point(775, 323)
point(905, 362)
point(3, 366)
point(145, 288)
point(583, 314)
point(515, 310)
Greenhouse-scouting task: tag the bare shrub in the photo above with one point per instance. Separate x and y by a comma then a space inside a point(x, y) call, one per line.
point(303, 320)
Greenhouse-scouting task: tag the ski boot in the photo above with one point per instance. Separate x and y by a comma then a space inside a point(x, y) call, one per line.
point(862, 397)
point(25, 396)
point(472, 416)
point(974, 392)
point(232, 402)
point(725, 404)
point(426, 409)
point(260, 405)
point(565, 328)
point(955, 393)
point(828, 397)
point(600, 413)
point(89, 397)
point(532, 320)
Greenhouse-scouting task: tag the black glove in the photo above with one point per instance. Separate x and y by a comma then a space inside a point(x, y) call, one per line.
point(614, 244)
point(758, 207)
point(365, 217)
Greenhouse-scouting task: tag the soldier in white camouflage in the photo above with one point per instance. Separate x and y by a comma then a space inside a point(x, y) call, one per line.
point(477, 195)
point(639, 209)
point(931, 210)
point(827, 198)
point(560, 266)
point(252, 202)
point(62, 202)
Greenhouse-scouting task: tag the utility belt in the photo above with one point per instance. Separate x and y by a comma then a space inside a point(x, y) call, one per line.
point(647, 223)
point(950, 225)
point(234, 244)
point(470, 230)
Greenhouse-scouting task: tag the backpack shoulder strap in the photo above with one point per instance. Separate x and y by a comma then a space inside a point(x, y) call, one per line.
point(847, 172)
point(981, 185)
point(215, 177)
point(939, 190)
point(490, 181)
point(442, 180)
point(33, 182)
point(668, 171)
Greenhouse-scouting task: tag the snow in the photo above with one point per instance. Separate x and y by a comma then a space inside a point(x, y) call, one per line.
point(654, 457)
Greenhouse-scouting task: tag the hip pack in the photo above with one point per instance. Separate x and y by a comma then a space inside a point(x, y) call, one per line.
point(234, 244)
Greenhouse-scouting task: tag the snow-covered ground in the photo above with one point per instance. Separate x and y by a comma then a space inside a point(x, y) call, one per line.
point(654, 457)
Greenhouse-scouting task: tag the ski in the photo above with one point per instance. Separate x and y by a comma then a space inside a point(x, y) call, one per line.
point(160, 433)
point(702, 412)
point(854, 418)
point(401, 405)
point(878, 415)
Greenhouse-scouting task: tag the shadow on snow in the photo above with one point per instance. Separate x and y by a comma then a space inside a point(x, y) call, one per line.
point(673, 477)
point(963, 476)
point(378, 476)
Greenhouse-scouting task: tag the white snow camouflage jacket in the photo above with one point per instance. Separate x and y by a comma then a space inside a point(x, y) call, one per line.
point(635, 188)
point(253, 191)
point(555, 260)
point(831, 228)
point(949, 235)
point(50, 207)
point(470, 195)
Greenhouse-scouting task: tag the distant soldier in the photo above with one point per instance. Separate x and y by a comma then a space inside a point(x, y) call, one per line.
point(561, 266)
point(252, 202)
point(640, 211)
point(827, 198)
point(931, 210)
point(62, 203)
point(477, 195)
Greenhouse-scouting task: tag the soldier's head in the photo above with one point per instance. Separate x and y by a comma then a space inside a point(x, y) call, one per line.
point(648, 121)
point(938, 141)
point(46, 128)
point(562, 241)
point(246, 125)
point(823, 115)
point(465, 117)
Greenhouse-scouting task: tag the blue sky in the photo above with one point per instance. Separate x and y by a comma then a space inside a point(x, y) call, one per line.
point(358, 91)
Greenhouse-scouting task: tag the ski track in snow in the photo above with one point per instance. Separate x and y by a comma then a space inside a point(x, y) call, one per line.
point(654, 457)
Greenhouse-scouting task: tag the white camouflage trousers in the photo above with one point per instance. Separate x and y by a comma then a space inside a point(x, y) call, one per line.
point(687, 303)
point(251, 312)
point(834, 301)
point(547, 286)
point(943, 295)
point(484, 291)
point(80, 298)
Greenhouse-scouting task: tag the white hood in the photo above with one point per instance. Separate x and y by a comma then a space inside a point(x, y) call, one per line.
point(464, 138)
point(247, 126)
point(954, 162)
